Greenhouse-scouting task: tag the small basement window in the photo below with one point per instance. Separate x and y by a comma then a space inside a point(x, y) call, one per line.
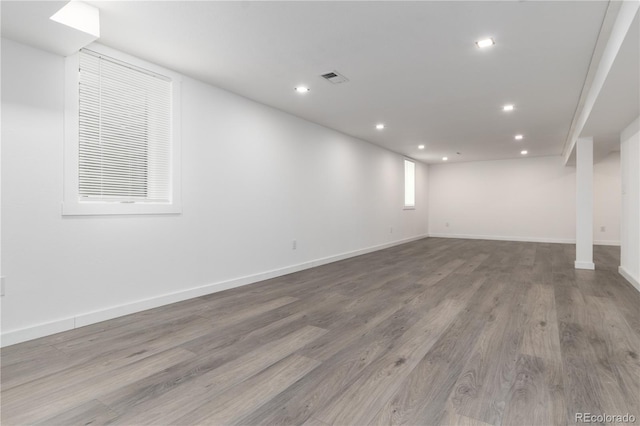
point(409, 184)
point(122, 139)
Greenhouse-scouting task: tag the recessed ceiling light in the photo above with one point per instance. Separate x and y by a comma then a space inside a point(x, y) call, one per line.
point(420, 146)
point(486, 42)
point(524, 152)
point(508, 107)
point(379, 126)
point(301, 89)
point(79, 16)
point(445, 158)
point(519, 137)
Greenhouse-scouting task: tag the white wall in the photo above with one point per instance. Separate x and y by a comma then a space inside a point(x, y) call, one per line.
point(526, 199)
point(254, 179)
point(630, 223)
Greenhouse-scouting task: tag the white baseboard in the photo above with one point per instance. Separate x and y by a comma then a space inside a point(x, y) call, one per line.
point(40, 330)
point(605, 243)
point(584, 265)
point(503, 238)
point(521, 239)
point(627, 275)
point(36, 331)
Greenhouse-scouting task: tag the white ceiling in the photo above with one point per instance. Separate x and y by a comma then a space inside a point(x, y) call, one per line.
point(619, 101)
point(28, 23)
point(411, 65)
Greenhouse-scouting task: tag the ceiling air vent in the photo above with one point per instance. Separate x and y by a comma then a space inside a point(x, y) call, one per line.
point(334, 77)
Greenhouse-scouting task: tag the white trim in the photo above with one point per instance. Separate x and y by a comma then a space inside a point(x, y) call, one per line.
point(521, 239)
point(606, 243)
point(627, 275)
point(33, 332)
point(36, 331)
point(584, 265)
point(504, 238)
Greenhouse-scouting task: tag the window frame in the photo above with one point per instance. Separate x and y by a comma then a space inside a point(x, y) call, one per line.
point(404, 187)
point(71, 204)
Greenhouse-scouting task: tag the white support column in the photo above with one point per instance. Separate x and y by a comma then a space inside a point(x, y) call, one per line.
point(584, 204)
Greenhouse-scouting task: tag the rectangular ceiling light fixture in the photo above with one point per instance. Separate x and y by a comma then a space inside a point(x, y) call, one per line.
point(79, 16)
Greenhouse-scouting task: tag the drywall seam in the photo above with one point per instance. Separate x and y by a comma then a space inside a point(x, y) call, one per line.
point(52, 327)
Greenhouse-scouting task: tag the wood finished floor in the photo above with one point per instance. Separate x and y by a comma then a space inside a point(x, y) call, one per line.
point(434, 332)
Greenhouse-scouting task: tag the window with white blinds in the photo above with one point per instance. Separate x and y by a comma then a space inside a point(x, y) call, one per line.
point(409, 184)
point(124, 146)
point(122, 135)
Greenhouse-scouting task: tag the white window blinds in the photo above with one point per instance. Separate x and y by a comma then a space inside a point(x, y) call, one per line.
point(124, 132)
point(409, 183)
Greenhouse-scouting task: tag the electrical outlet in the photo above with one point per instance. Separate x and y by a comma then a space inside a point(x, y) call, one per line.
point(391, 230)
point(603, 229)
point(2, 283)
point(294, 245)
point(446, 224)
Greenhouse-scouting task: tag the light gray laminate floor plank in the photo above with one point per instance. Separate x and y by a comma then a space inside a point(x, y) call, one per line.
point(536, 395)
point(126, 398)
point(90, 413)
point(435, 331)
point(359, 403)
point(540, 329)
point(170, 406)
point(614, 347)
point(250, 394)
point(22, 405)
point(431, 387)
point(327, 382)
